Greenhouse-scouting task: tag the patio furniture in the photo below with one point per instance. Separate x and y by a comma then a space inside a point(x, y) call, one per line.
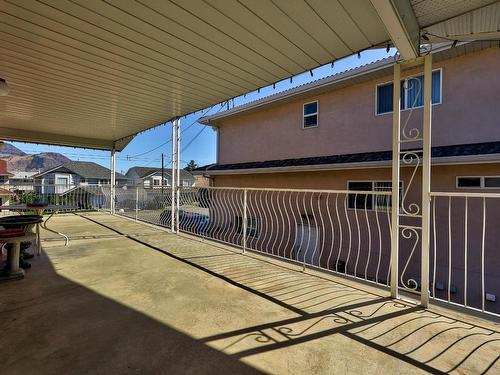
point(39, 210)
point(13, 238)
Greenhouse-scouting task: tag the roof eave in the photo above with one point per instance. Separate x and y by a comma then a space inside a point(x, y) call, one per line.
point(443, 160)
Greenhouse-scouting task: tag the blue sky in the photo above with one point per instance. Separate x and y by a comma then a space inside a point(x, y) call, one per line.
point(202, 148)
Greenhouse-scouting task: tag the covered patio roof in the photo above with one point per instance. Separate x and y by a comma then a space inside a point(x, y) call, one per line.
point(94, 74)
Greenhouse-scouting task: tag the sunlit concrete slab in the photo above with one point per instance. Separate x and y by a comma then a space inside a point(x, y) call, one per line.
point(124, 297)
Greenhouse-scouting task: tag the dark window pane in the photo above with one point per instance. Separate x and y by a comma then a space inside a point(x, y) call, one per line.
point(402, 95)
point(310, 108)
point(360, 201)
point(469, 182)
point(492, 182)
point(384, 98)
point(310, 121)
point(436, 86)
point(415, 91)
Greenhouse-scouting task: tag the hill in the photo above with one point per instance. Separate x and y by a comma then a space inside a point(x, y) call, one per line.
point(18, 160)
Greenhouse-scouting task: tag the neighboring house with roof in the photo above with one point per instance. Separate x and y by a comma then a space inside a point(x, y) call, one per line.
point(149, 177)
point(4, 174)
point(22, 181)
point(336, 134)
point(72, 174)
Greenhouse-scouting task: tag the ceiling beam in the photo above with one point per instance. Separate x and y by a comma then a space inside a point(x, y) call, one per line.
point(401, 24)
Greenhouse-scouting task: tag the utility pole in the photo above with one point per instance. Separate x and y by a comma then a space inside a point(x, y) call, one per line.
point(173, 179)
point(113, 182)
point(162, 181)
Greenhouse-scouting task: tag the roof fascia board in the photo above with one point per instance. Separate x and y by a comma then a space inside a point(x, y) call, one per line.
point(401, 25)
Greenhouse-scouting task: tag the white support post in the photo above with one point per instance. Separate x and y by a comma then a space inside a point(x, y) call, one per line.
point(426, 180)
point(395, 181)
point(113, 182)
point(178, 174)
point(245, 221)
point(173, 176)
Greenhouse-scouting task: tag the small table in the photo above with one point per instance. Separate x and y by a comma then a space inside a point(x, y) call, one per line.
point(39, 210)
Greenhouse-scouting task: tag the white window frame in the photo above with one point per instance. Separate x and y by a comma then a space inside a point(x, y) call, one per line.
point(481, 183)
point(405, 107)
point(310, 114)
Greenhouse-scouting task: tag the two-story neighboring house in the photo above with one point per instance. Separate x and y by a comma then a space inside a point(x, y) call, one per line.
point(336, 134)
point(336, 131)
point(149, 177)
point(72, 174)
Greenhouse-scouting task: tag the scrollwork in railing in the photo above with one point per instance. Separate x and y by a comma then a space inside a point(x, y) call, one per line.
point(409, 157)
point(412, 134)
point(407, 233)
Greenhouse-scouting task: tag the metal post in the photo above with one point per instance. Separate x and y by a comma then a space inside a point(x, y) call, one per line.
point(178, 174)
point(395, 180)
point(136, 201)
point(162, 178)
point(245, 221)
point(112, 188)
point(173, 178)
point(426, 180)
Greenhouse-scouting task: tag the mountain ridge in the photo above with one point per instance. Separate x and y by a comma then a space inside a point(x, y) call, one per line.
point(18, 160)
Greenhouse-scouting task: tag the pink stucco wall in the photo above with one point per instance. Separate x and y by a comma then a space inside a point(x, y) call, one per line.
point(469, 113)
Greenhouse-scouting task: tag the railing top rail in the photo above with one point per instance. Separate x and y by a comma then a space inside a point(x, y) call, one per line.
point(388, 193)
point(464, 194)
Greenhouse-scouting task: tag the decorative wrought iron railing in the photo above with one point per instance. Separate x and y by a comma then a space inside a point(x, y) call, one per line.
point(465, 250)
point(346, 232)
point(79, 197)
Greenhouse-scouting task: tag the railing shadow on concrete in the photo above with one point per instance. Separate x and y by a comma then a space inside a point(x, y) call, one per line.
point(428, 340)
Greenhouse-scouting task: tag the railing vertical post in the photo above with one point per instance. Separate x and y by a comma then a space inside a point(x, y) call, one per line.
point(426, 180)
point(395, 180)
point(173, 178)
point(178, 174)
point(245, 220)
point(112, 179)
point(136, 201)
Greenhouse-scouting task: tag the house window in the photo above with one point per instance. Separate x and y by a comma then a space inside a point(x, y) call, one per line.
point(370, 201)
point(310, 114)
point(412, 93)
point(492, 182)
point(252, 227)
point(156, 182)
point(62, 181)
point(478, 182)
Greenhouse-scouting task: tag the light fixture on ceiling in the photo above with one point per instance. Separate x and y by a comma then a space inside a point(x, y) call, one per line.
point(4, 88)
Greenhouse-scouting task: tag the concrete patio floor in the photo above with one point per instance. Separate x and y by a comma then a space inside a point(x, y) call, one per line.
point(128, 298)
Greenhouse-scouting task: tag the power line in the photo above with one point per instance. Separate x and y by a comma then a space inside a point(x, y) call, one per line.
point(170, 140)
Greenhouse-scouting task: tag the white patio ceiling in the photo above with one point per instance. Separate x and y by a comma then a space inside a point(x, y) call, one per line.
point(91, 73)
